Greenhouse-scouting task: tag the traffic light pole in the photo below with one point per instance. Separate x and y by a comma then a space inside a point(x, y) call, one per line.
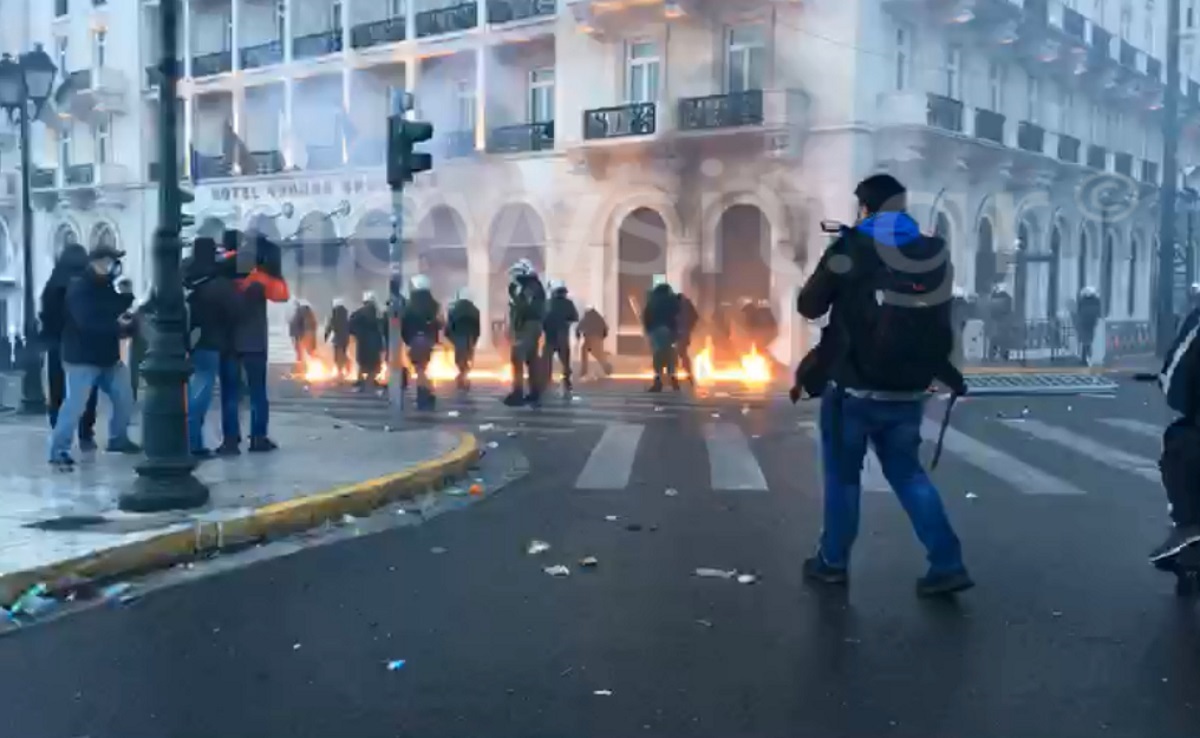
point(1165, 289)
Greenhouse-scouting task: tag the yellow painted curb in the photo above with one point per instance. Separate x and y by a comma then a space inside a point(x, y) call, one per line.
point(259, 524)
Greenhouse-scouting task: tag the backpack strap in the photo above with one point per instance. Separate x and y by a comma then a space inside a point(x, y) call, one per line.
point(937, 451)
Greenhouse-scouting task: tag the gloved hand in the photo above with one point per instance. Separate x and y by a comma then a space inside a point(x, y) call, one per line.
point(794, 393)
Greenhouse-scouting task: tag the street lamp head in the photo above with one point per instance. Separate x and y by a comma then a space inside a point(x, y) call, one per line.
point(12, 83)
point(39, 72)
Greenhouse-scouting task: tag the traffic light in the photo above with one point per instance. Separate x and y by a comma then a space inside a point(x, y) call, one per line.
point(402, 161)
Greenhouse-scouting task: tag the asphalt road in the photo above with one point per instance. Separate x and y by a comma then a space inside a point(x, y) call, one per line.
point(1070, 632)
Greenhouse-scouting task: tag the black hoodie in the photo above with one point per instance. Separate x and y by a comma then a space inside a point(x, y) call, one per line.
point(72, 262)
point(560, 314)
point(662, 310)
point(421, 317)
point(213, 300)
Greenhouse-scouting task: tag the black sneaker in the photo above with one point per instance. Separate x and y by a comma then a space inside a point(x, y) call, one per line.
point(939, 585)
point(262, 445)
point(87, 445)
point(656, 387)
point(514, 399)
point(202, 453)
point(675, 383)
point(123, 446)
point(817, 570)
point(228, 448)
point(533, 399)
point(1178, 539)
point(63, 463)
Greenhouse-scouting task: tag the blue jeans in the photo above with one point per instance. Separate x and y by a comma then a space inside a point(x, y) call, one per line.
point(894, 429)
point(207, 367)
point(81, 379)
point(255, 367)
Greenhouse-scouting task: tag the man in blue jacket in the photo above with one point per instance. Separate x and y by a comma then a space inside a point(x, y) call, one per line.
point(97, 317)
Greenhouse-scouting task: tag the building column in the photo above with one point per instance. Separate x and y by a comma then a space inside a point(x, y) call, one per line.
point(481, 96)
point(236, 42)
point(287, 142)
point(287, 35)
point(187, 39)
point(410, 20)
point(345, 21)
point(238, 98)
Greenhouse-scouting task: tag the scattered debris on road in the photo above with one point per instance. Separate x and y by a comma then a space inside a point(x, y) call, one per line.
point(511, 434)
point(487, 426)
point(437, 550)
point(746, 579)
point(453, 414)
point(566, 671)
point(536, 547)
point(396, 664)
point(705, 623)
point(972, 496)
point(557, 571)
point(493, 444)
point(672, 492)
point(296, 646)
point(716, 573)
point(476, 490)
point(716, 415)
point(745, 409)
point(589, 562)
point(603, 693)
point(611, 518)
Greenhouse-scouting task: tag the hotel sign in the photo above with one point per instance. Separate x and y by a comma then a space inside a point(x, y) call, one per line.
point(293, 188)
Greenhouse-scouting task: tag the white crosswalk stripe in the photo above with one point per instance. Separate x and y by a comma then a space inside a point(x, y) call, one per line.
point(1022, 476)
point(1084, 446)
point(731, 462)
point(1138, 427)
point(610, 464)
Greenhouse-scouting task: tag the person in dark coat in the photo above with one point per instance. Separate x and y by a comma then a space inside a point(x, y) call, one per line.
point(561, 314)
point(302, 329)
point(1001, 324)
point(1088, 309)
point(366, 330)
point(462, 330)
point(263, 284)
point(660, 319)
point(72, 262)
point(686, 326)
point(139, 338)
point(337, 334)
point(592, 331)
point(420, 328)
point(96, 320)
point(526, 311)
point(214, 310)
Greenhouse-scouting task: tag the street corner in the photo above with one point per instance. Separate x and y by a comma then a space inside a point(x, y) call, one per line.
point(55, 559)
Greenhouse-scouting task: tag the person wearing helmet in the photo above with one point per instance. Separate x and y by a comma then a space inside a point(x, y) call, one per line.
point(561, 314)
point(419, 329)
point(526, 311)
point(302, 329)
point(1087, 316)
point(660, 319)
point(592, 330)
point(338, 329)
point(462, 330)
point(368, 340)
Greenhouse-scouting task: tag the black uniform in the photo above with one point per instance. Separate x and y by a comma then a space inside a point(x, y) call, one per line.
point(592, 330)
point(526, 311)
point(338, 328)
point(560, 316)
point(419, 329)
point(462, 330)
point(660, 319)
point(368, 342)
point(72, 262)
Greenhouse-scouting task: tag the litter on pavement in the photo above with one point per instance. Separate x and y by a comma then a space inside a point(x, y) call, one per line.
point(120, 592)
point(396, 665)
point(511, 434)
point(452, 414)
point(972, 496)
point(705, 623)
point(536, 547)
point(475, 490)
point(487, 426)
point(295, 646)
point(716, 573)
point(746, 579)
point(557, 571)
point(716, 415)
point(589, 562)
point(493, 444)
point(438, 550)
point(745, 409)
point(611, 518)
point(671, 492)
point(603, 693)
point(456, 491)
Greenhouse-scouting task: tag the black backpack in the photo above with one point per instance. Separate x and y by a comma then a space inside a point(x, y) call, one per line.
point(902, 332)
point(1178, 376)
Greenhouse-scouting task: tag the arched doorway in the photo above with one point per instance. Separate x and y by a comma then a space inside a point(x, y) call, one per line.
point(311, 260)
point(1106, 273)
point(1132, 288)
point(1081, 277)
point(985, 259)
point(1052, 283)
point(442, 252)
point(516, 233)
point(641, 253)
point(367, 263)
point(103, 235)
point(1025, 248)
point(743, 256)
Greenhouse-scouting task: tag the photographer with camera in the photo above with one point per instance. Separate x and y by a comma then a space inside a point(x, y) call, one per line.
point(886, 288)
point(97, 318)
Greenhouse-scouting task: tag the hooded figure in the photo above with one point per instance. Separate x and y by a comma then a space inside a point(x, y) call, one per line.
point(660, 319)
point(72, 263)
point(526, 311)
point(338, 329)
point(302, 329)
point(593, 331)
point(1000, 323)
point(214, 309)
point(688, 319)
point(561, 314)
point(1087, 316)
point(462, 329)
point(368, 340)
point(96, 318)
point(419, 328)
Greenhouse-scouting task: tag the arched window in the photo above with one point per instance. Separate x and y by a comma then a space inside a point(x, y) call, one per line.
point(1131, 295)
point(1084, 255)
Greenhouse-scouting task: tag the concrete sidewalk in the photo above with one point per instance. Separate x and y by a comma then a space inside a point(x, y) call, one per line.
point(57, 526)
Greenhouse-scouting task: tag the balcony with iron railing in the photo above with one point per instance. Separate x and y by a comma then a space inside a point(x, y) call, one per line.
point(729, 110)
point(945, 113)
point(1074, 24)
point(1068, 148)
point(620, 121)
point(262, 55)
point(80, 175)
point(43, 178)
point(1031, 137)
point(376, 33)
point(1097, 157)
point(509, 11)
point(1123, 164)
point(989, 125)
point(206, 166)
point(217, 62)
point(1128, 55)
point(317, 44)
point(266, 162)
point(522, 138)
point(440, 21)
point(1154, 68)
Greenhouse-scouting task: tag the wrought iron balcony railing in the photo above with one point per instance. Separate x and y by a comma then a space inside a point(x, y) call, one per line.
point(520, 138)
point(461, 17)
point(376, 33)
point(730, 110)
point(317, 44)
point(632, 119)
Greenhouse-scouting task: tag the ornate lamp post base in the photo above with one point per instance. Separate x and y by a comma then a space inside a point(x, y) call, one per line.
point(162, 485)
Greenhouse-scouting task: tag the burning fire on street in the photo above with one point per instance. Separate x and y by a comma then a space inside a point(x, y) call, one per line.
point(752, 369)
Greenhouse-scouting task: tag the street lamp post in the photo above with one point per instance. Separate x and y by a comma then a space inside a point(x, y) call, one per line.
point(165, 480)
point(23, 82)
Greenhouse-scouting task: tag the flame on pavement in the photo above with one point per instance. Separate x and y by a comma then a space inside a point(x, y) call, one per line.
point(318, 370)
point(752, 369)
